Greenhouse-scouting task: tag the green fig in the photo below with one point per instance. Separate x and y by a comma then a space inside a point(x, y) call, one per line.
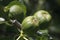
point(16, 10)
point(42, 16)
point(30, 24)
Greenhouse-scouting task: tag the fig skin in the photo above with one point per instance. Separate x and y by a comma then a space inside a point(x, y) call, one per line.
point(30, 25)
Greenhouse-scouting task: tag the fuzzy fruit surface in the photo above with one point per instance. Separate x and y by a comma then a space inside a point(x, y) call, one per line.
point(16, 12)
point(30, 24)
point(15, 9)
point(29, 21)
point(42, 16)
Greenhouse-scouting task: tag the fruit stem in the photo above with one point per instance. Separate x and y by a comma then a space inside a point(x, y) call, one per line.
point(20, 35)
point(17, 24)
point(25, 38)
